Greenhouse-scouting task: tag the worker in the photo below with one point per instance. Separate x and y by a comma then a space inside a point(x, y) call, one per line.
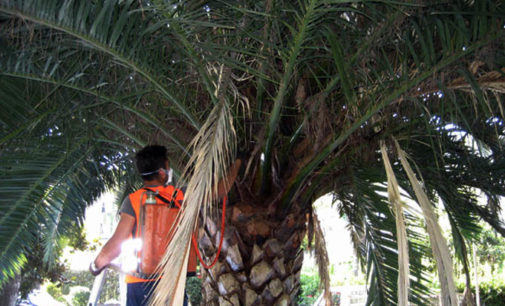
point(153, 166)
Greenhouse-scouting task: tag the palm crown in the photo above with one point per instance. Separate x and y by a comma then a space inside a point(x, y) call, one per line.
point(307, 91)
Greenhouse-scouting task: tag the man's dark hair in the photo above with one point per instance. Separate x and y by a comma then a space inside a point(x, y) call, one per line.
point(150, 159)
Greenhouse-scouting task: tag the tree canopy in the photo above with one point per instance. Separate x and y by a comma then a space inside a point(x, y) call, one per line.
point(307, 92)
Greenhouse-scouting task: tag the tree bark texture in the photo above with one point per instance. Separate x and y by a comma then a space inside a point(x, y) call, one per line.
point(260, 260)
point(9, 292)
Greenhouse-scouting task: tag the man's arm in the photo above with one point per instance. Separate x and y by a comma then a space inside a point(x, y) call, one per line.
point(113, 247)
point(225, 184)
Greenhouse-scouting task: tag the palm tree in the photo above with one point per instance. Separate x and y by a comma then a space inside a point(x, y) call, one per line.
point(361, 99)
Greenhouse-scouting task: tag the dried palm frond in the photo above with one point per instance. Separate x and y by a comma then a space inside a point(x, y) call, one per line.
point(321, 255)
point(212, 147)
point(438, 243)
point(401, 231)
point(492, 80)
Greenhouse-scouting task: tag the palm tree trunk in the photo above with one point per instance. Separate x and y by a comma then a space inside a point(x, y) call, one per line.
point(260, 261)
point(9, 292)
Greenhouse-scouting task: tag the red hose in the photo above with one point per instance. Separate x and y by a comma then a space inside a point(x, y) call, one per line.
point(195, 245)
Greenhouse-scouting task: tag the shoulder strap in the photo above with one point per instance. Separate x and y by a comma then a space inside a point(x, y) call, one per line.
point(171, 203)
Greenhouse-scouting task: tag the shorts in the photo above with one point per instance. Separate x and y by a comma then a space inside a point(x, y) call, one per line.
point(138, 294)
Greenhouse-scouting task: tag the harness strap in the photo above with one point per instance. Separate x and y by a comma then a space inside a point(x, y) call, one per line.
point(170, 202)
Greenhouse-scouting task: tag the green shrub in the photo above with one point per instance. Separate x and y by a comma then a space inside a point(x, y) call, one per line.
point(492, 293)
point(81, 278)
point(309, 289)
point(65, 290)
point(81, 298)
point(55, 292)
point(194, 290)
point(110, 290)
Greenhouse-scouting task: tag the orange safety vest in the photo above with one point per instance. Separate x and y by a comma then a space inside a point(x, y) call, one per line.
point(154, 224)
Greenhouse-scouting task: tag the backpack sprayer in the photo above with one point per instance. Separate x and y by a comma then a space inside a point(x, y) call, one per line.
point(156, 222)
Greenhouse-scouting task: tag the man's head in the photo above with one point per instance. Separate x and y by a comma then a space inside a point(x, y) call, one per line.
point(151, 162)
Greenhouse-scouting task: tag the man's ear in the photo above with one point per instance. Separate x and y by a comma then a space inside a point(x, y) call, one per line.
point(162, 174)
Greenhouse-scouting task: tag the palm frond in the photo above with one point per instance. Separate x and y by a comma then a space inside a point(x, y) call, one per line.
point(212, 147)
point(304, 23)
point(94, 26)
point(403, 252)
point(366, 206)
point(53, 196)
point(438, 242)
point(321, 258)
point(47, 180)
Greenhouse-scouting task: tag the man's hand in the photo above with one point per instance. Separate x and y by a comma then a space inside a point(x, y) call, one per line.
point(94, 270)
point(113, 247)
point(224, 185)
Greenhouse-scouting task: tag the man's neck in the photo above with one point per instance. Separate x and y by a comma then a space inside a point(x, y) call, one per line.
point(152, 183)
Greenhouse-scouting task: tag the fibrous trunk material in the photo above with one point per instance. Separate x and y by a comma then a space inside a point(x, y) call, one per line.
point(260, 260)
